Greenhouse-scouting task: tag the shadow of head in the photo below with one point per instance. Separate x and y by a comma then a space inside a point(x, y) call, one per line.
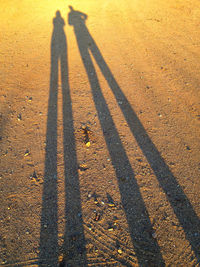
point(58, 14)
point(71, 8)
point(76, 17)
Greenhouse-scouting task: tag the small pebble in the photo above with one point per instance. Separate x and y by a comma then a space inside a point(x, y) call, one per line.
point(119, 251)
point(27, 152)
point(83, 167)
point(19, 117)
point(60, 258)
point(87, 144)
point(97, 217)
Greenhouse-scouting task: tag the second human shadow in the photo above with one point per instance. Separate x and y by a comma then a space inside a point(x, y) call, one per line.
point(136, 213)
point(133, 204)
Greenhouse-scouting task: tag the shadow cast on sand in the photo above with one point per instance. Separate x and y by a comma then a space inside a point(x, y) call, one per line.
point(133, 204)
point(136, 213)
point(73, 248)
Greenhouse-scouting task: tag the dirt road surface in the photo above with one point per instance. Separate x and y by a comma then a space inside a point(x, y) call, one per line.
point(100, 133)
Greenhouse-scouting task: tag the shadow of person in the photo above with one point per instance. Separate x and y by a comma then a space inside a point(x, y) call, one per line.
point(76, 17)
point(146, 247)
point(179, 202)
point(73, 248)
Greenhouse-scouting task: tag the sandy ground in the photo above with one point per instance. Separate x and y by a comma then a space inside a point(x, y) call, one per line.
point(99, 138)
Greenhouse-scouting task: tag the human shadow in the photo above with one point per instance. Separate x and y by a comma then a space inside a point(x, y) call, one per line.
point(146, 247)
point(73, 248)
point(132, 203)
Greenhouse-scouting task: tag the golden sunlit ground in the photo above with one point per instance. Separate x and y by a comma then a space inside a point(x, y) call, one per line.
point(99, 133)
